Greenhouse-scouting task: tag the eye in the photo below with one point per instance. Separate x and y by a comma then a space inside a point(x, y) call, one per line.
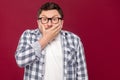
point(54, 19)
point(44, 19)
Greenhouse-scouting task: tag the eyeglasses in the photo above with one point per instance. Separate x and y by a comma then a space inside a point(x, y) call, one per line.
point(45, 20)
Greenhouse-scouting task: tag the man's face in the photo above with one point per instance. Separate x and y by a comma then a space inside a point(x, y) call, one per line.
point(49, 18)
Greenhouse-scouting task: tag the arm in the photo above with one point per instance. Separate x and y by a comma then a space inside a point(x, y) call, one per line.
point(81, 63)
point(27, 52)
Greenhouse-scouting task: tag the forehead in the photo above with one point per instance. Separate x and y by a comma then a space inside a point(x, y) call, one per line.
point(49, 13)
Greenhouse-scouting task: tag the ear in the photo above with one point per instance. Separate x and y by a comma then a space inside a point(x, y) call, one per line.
point(38, 22)
point(62, 22)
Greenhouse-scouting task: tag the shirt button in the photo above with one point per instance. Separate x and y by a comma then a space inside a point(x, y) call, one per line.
point(42, 75)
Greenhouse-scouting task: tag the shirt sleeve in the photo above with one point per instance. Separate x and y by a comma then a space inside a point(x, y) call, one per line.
point(27, 52)
point(81, 63)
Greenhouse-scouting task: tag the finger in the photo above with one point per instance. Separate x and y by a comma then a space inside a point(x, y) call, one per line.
point(58, 29)
point(55, 29)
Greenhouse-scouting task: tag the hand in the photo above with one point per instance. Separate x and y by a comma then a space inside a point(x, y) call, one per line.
point(49, 34)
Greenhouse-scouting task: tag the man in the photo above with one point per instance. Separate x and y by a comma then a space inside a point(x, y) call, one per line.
point(49, 53)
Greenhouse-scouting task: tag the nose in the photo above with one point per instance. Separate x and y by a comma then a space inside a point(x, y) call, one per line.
point(49, 22)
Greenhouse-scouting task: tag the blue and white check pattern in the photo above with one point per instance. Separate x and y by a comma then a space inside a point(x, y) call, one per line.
point(30, 56)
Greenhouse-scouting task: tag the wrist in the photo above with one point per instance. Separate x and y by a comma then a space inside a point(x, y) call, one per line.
point(43, 42)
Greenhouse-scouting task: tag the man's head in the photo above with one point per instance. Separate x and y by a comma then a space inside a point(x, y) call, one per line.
point(51, 6)
point(50, 14)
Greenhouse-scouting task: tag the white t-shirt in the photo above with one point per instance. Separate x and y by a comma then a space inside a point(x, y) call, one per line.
point(54, 60)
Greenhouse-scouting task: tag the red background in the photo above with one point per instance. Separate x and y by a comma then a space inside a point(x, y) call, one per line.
point(97, 22)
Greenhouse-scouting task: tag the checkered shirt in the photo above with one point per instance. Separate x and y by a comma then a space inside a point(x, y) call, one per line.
point(30, 56)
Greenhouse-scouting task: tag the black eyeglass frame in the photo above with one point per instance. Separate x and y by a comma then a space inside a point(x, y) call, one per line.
point(50, 20)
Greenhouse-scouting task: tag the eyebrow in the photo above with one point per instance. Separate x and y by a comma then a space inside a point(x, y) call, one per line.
point(48, 17)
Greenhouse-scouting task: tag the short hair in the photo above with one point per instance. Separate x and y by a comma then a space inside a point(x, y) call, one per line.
point(50, 6)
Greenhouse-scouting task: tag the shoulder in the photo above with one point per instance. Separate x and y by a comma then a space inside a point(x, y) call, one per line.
point(70, 34)
point(71, 39)
point(31, 32)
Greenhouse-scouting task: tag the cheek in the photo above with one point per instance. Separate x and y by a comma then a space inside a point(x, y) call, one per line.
point(61, 24)
point(39, 26)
